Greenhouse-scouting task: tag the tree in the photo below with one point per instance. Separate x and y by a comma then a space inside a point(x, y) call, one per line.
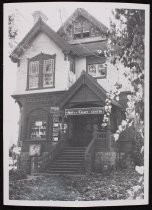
point(127, 41)
point(127, 46)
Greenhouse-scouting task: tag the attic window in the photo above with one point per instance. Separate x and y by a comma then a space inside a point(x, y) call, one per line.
point(81, 29)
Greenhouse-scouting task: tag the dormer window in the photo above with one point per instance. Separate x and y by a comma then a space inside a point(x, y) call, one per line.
point(41, 72)
point(96, 67)
point(81, 29)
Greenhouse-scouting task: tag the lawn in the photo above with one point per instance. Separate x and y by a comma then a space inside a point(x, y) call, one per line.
point(109, 186)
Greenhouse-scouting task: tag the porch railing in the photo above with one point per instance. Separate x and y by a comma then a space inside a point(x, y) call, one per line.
point(43, 161)
point(99, 139)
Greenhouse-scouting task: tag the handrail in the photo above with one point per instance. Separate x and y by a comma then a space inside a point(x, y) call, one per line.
point(89, 153)
point(44, 160)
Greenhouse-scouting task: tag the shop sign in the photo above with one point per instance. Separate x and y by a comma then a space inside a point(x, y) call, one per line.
point(35, 150)
point(54, 109)
point(84, 111)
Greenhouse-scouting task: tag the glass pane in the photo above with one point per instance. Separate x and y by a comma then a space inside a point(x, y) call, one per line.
point(48, 80)
point(33, 81)
point(86, 27)
point(92, 70)
point(38, 129)
point(48, 66)
point(77, 28)
point(101, 70)
point(34, 67)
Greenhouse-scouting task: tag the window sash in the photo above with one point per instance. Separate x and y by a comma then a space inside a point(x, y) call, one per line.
point(97, 70)
point(34, 68)
point(33, 81)
point(77, 28)
point(86, 27)
point(48, 73)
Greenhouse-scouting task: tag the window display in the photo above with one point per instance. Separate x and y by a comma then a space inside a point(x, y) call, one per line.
point(38, 130)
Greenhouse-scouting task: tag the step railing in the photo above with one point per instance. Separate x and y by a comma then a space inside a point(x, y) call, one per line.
point(43, 161)
point(90, 154)
point(90, 150)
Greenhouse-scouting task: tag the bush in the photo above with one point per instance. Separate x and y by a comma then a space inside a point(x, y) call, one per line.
point(17, 174)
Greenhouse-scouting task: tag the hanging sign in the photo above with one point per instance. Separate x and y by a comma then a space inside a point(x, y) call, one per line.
point(54, 109)
point(84, 111)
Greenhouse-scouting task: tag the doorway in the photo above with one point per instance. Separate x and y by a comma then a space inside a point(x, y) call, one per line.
point(81, 129)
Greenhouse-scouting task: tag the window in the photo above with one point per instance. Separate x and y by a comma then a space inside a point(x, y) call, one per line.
point(33, 74)
point(38, 129)
point(97, 70)
point(41, 72)
point(38, 125)
point(81, 29)
point(48, 73)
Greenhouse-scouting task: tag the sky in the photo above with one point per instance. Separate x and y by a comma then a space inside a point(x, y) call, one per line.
point(57, 13)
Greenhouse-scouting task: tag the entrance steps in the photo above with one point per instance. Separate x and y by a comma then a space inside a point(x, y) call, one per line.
point(70, 161)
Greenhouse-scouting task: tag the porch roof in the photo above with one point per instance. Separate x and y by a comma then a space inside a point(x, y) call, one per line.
point(85, 80)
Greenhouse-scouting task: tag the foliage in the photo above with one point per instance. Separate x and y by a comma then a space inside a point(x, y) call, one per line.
point(12, 29)
point(113, 185)
point(127, 46)
point(17, 174)
point(127, 42)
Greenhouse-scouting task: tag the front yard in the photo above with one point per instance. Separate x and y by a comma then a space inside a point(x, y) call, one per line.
point(110, 186)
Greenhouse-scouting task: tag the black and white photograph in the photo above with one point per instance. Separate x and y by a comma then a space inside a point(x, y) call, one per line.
point(76, 104)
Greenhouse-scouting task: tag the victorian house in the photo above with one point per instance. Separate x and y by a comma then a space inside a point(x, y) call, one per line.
point(62, 81)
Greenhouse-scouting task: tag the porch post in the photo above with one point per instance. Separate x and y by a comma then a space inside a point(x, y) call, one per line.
point(108, 135)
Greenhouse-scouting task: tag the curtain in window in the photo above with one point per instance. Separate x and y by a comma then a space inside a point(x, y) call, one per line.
point(48, 73)
point(86, 27)
point(77, 27)
point(33, 74)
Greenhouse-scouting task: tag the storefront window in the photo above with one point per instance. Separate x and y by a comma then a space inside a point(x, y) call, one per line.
point(38, 129)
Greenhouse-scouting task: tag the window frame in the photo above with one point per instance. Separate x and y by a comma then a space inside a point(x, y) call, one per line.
point(81, 34)
point(40, 58)
point(96, 61)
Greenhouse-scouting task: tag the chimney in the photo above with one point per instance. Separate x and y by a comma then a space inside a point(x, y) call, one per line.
point(38, 14)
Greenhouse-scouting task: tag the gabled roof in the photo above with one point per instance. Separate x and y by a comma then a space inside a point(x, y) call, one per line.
point(82, 12)
point(40, 26)
point(87, 49)
point(92, 84)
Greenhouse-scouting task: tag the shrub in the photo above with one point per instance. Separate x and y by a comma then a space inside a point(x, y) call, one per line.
point(17, 174)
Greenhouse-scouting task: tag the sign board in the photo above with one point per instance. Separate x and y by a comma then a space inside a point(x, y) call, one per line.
point(84, 111)
point(54, 109)
point(35, 150)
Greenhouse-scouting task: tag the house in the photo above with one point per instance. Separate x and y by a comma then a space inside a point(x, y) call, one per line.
point(62, 81)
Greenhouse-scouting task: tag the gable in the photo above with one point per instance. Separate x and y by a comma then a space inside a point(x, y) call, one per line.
point(85, 89)
point(84, 93)
point(79, 17)
point(39, 27)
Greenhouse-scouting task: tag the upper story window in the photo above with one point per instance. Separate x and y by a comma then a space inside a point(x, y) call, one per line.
point(33, 74)
point(97, 70)
point(81, 29)
point(96, 67)
point(41, 72)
